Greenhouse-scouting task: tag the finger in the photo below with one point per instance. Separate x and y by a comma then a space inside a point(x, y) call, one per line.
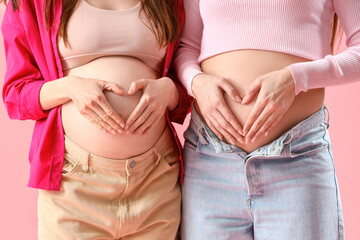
point(229, 116)
point(264, 126)
point(152, 126)
point(260, 120)
point(93, 121)
point(114, 87)
point(230, 90)
point(254, 114)
point(97, 119)
point(215, 131)
point(274, 124)
point(136, 85)
point(141, 119)
point(253, 89)
point(139, 109)
point(147, 123)
point(226, 125)
point(89, 114)
point(223, 131)
point(114, 118)
point(103, 117)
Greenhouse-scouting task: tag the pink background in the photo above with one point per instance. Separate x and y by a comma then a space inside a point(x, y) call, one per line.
point(18, 219)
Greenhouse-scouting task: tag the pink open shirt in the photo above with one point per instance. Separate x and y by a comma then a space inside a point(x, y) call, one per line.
point(32, 59)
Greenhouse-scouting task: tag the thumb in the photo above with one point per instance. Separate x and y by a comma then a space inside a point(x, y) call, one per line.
point(114, 87)
point(137, 85)
point(253, 89)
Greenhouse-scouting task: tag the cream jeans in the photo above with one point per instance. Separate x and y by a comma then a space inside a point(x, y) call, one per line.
point(102, 198)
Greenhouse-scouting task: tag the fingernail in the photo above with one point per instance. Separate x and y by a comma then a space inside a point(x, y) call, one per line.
point(253, 140)
point(244, 99)
point(103, 130)
point(246, 132)
point(240, 140)
point(247, 140)
point(266, 133)
point(238, 98)
point(232, 141)
point(113, 131)
point(120, 130)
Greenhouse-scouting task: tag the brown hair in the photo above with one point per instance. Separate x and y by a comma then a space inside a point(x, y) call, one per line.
point(162, 13)
point(336, 31)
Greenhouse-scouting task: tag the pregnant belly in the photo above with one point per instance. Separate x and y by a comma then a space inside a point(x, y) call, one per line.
point(241, 68)
point(122, 70)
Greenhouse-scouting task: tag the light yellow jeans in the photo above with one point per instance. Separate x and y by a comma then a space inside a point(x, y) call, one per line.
point(102, 198)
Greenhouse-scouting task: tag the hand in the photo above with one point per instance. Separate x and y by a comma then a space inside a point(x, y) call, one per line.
point(158, 95)
point(88, 96)
point(276, 94)
point(208, 91)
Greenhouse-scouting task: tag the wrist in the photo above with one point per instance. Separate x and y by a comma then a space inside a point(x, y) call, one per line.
point(67, 83)
point(288, 78)
point(174, 95)
point(196, 81)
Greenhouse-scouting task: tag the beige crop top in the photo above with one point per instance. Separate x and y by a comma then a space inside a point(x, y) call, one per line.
point(94, 32)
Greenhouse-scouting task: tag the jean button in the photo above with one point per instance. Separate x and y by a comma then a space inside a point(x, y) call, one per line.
point(132, 164)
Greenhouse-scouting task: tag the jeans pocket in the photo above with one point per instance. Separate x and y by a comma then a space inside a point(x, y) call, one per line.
point(70, 165)
point(191, 138)
point(310, 143)
point(171, 159)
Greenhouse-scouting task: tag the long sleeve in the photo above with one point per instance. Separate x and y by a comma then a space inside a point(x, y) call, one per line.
point(178, 114)
point(338, 69)
point(186, 61)
point(23, 79)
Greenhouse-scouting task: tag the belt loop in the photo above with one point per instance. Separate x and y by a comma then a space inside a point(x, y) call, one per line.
point(201, 133)
point(328, 116)
point(158, 157)
point(288, 137)
point(127, 168)
point(85, 162)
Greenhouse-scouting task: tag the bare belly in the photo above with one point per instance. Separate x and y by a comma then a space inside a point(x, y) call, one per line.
point(241, 68)
point(122, 70)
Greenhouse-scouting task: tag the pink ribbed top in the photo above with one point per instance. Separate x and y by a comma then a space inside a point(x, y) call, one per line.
point(301, 28)
point(95, 32)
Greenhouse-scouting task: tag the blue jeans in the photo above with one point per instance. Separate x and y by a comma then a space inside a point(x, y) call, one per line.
point(286, 190)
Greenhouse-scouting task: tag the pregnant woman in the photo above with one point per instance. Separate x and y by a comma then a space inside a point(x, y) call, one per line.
point(257, 156)
point(93, 75)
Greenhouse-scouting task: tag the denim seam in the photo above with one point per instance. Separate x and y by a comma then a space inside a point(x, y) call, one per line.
point(260, 185)
point(250, 200)
point(308, 153)
point(190, 144)
point(336, 186)
point(314, 151)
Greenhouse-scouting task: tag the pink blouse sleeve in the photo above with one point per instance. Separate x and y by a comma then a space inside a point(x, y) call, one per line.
point(23, 79)
point(186, 61)
point(338, 69)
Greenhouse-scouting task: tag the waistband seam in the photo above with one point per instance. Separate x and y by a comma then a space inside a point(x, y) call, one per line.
point(86, 158)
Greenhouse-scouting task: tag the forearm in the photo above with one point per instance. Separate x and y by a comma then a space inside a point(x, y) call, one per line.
point(54, 93)
point(330, 71)
point(174, 99)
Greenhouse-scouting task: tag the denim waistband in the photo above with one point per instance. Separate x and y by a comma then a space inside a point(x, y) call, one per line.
point(272, 149)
